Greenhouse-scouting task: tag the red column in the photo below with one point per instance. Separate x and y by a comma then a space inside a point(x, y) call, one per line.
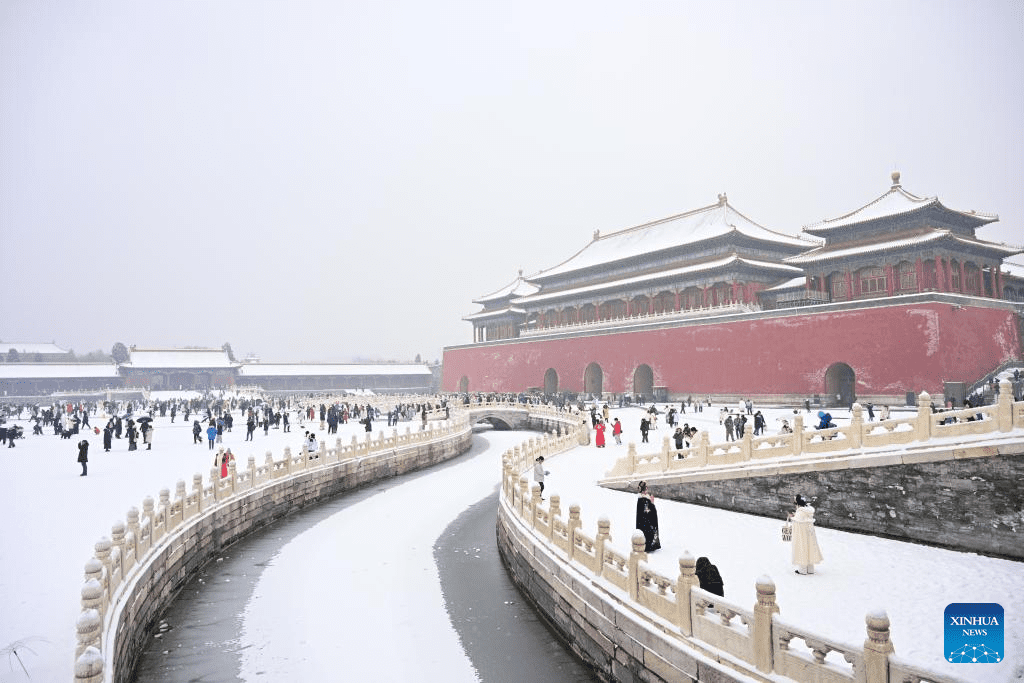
point(999, 280)
point(963, 278)
point(888, 280)
point(821, 284)
point(704, 297)
point(940, 275)
point(677, 300)
point(919, 268)
point(849, 285)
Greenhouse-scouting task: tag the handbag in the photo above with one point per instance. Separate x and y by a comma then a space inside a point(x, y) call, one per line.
point(787, 532)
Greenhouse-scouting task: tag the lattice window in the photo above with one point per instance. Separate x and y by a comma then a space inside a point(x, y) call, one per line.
point(907, 277)
point(872, 281)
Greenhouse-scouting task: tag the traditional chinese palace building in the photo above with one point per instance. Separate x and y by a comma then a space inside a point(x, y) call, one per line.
point(203, 369)
point(898, 296)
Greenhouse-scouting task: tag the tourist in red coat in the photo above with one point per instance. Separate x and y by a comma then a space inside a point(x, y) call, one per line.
point(617, 431)
point(599, 439)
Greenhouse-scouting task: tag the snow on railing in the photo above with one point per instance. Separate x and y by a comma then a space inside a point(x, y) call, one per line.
point(1002, 416)
point(117, 559)
point(757, 637)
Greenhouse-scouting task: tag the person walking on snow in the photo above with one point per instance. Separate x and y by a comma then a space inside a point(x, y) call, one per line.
point(539, 472)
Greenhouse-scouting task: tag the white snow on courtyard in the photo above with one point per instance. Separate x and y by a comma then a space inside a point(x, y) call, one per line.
point(337, 592)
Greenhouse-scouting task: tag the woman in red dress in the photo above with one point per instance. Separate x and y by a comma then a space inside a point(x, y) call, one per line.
point(599, 428)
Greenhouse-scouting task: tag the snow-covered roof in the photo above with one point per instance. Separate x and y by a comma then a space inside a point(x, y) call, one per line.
point(788, 284)
point(1014, 269)
point(686, 228)
point(518, 287)
point(483, 315)
point(895, 202)
point(826, 252)
point(330, 370)
point(661, 275)
point(58, 370)
point(31, 348)
point(178, 358)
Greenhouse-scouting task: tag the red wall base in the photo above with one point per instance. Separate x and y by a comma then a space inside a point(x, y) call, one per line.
point(891, 349)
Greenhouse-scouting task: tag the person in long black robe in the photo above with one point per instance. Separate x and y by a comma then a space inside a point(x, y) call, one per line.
point(647, 519)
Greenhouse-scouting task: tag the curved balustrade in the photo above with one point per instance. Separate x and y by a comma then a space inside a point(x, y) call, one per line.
point(116, 582)
point(926, 425)
point(707, 623)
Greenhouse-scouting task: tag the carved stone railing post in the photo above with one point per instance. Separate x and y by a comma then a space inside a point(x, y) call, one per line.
point(877, 648)
point(132, 537)
point(604, 535)
point(746, 445)
point(923, 430)
point(233, 477)
point(524, 486)
point(666, 451)
point(856, 434)
point(197, 488)
point(798, 434)
point(687, 580)
point(88, 629)
point(1004, 407)
point(631, 454)
point(764, 608)
point(89, 666)
point(574, 524)
point(102, 551)
point(703, 448)
point(637, 553)
point(554, 510)
point(534, 505)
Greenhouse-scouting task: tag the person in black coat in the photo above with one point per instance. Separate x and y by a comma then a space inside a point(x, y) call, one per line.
point(83, 456)
point(647, 518)
point(108, 435)
point(710, 579)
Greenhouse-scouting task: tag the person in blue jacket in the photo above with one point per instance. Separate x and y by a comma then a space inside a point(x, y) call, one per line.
point(211, 434)
point(826, 420)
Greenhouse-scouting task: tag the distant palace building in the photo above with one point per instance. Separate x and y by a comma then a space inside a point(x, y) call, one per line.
point(174, 369)
point(900, 295)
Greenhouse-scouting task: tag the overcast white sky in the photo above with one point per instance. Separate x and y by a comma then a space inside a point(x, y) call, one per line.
point(262, 174)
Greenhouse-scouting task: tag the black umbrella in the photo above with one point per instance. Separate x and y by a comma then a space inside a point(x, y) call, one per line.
point(144, 418)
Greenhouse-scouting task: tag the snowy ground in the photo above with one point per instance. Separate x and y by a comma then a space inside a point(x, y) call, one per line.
point(53, 517)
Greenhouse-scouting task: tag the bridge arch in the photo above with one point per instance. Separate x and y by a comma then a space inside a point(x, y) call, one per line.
point(643, 381)
point(840, 384)
point(550, 381)
point(593, 379)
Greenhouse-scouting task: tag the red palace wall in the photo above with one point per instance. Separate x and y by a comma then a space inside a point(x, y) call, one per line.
point(892, 349)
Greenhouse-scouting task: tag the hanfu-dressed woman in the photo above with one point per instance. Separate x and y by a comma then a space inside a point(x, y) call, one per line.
point(647, 518)
point(226, 458)
point(806, 552)
point(599, 437)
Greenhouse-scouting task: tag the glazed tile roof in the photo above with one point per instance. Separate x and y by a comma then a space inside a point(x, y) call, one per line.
point(31, 348)
point(826, 253)
point(58, 370)
point(498, 313)
point(178, 358)
point(895, 202)
point(518, 287)
point(660, 275)
point(686, 228)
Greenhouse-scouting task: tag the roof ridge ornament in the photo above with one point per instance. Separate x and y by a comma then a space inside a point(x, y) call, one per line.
point(723, 199)
point(597, 235)
point(895, 179)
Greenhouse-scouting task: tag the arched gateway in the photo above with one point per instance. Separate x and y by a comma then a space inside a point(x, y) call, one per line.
point(550, 381)
point(463, 384)
point(840, 384)
point(643, 382)
point(593, 379)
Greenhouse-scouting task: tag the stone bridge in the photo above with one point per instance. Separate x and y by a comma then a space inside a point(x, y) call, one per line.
point(525, 416)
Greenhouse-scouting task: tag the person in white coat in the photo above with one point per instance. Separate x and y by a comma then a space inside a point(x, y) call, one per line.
point(806, 552)
point(539, 472)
